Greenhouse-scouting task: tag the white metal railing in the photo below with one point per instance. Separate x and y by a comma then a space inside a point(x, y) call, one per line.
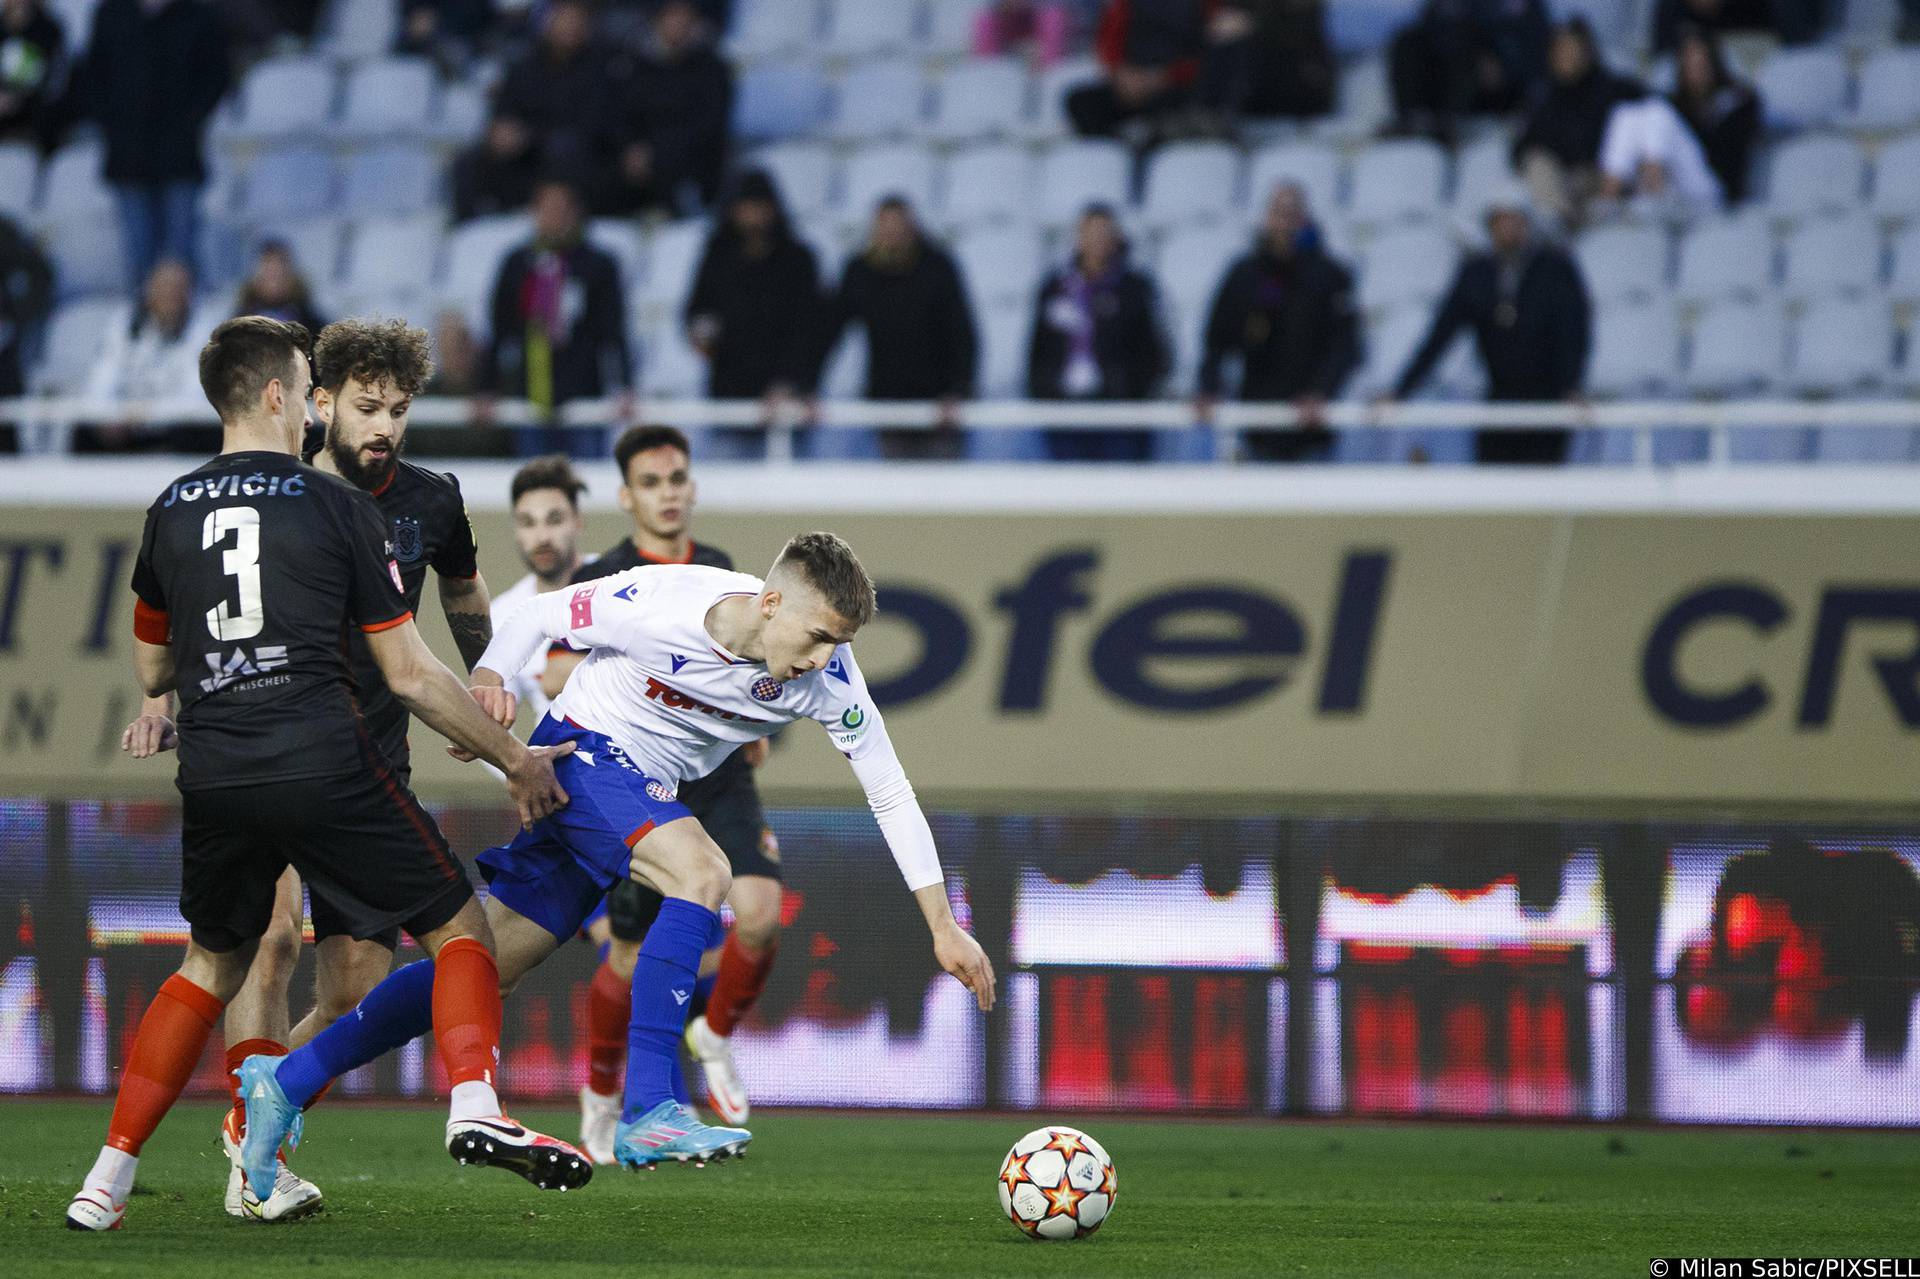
point(48, 422)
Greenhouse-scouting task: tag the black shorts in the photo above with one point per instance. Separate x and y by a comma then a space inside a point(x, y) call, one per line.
point(727, 805)
point(328, 919)
point(371, 856)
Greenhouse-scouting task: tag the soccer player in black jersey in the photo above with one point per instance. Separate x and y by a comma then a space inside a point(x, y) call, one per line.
point(657, 490)
point(252, 572)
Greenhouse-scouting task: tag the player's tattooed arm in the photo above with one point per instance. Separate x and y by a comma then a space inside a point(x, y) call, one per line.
point(469, 616)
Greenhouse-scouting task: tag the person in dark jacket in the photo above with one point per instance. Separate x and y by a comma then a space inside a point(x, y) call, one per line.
point(277, 290)
point(1152, 52)
point(1558, 151)
point(1286, 312)
point(921, 342)
point(563, 88)
point(450, 32)
point(1794, 21)
point(26, 295)
point(1097, 336)
point(559, 321)
point(497, 174)
point(1465, 56)
point(155, 70)
point(755, 309)
point(1270, 58)
point(1721, 111)
point(1532, 320)
point(671, 126)
point(33, 71)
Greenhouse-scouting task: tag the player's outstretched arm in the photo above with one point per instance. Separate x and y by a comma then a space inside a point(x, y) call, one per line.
point(436, 695)
point(469, 613)
point(153, 732)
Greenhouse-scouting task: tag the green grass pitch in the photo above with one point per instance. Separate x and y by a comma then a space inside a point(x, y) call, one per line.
point(843, 1195)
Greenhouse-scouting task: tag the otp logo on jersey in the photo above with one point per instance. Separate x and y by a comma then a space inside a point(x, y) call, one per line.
point(767, 689)
point(582, 607)
point(658, 692)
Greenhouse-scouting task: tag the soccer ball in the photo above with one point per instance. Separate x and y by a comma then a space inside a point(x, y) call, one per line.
point(1057, 1183)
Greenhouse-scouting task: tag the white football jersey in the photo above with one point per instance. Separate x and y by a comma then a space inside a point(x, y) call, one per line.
point(526, 684)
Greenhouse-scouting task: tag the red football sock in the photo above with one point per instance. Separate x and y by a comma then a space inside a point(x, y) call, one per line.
point(166, 1048)
point(317, 1097)
point(743, 975)
point(466, 1011)
point(609, 1001)
point(237, 1053)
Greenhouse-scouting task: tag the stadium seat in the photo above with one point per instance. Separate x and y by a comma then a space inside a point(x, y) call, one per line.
point(1903, 281)
point(1001, 265)
point(1889, 91)
point(1725, 257)
point(1076, 174)
point(1391, 339)
point(73, 339)
point(1482, 169)
point(1739, 348)
point(1191, 262)
point(88, 255)
point(1816, 175)
point(1192, 182)
point(1359, 27)
point(286, 182)
point(777, 102)
point(981, 99)
point(71, 183)
point(387, 97)
point(1409, 265)
point(1397, 182)
point(860, 28)
point(765, 27)
point(906, 169)
point(361, 29)
point(1048, 123)
point(462, 114)
point(392, 255)
point(1004, 330)
point(1636, 349)
point(1365, 104)
point(673, 256)
point(1841, 347)
point(880, 100)
point(1838, 257)
point(474, 254)
point(1896, 179)
point(803, 174)
point(396, 178)
point(19, 178)
point(991, 183)
point(1313, 166)
point(284, 97)
point(950, 26)
point(1804, 87)
point(1866, 445)
point(1624, 261)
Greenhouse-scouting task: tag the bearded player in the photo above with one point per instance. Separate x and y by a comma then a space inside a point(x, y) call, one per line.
point(658, 491)
point(687, 663)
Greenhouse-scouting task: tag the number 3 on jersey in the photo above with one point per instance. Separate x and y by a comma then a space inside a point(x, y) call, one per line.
point(241, 561)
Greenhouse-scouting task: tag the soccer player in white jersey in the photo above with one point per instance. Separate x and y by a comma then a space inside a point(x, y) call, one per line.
point(547, 528)
point(686, 664)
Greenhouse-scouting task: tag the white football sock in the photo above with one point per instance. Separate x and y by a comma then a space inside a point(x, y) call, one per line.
point(474, 1100)
point(113, 1173)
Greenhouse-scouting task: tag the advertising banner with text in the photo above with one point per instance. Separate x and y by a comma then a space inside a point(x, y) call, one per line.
point(1588, 657)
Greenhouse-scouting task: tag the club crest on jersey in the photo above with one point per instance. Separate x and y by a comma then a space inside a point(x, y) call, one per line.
point(767, 689)
point(659, 792)
point(407, 542)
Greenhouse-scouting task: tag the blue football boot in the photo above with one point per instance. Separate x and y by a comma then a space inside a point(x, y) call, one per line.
point(672, 1133)
point(271, 1120)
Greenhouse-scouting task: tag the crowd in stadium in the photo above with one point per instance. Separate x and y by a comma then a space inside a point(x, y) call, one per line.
point(1038, 198)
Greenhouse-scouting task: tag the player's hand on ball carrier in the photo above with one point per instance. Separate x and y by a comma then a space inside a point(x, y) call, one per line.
point(500, 705)
point(149, 736)
point(535, 791)
point(962, 956)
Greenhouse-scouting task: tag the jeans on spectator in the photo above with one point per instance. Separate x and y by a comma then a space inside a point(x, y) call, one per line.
point(1100, 446)
point(157, 220)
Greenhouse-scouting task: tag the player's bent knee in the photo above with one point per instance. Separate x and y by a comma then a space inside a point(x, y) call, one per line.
point(279, 948)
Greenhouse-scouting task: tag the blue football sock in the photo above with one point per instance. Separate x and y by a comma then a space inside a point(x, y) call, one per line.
point(702, 992)
point(663, 982)
point(679, 1082)
point(397, 1011)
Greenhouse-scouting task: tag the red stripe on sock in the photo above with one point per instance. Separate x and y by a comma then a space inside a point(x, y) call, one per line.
point(609, 1002)
point(172, 1035)
point(466, 1011)
point(743, 975)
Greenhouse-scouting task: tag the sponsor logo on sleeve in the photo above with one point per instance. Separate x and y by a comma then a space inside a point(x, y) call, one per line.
point(393, 571)
point(581, 607)
point(850, 728)
point(838, 669)
point(627, 593)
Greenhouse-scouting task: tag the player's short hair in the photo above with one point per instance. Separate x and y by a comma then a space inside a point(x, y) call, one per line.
point(245, 354)
point(638, 439)
point(553, 471)
point(374, 352)
point(830, 567)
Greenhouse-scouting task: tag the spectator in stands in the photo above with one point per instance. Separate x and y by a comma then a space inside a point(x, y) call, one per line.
point(921, 343)
point(1909, 21)
point(672, 121)
point(449, 32)
point(276, 289)
point(1153, 52)
point(26, 296)
point(497, 174)
point(755, 310)
point(1558, 151)
point(1271, 59)
point(1532, 321)
point(1286, 312)
point(1465, 57)
point(1040, 31)
point(154, 72)
point(1097, 336)
point(153, 357)
point(456, 356)
point(1722, 111)
point(1794, 21)
point(562, 88)
point(1651, 158)
point(33, 71)
point(559, 322)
